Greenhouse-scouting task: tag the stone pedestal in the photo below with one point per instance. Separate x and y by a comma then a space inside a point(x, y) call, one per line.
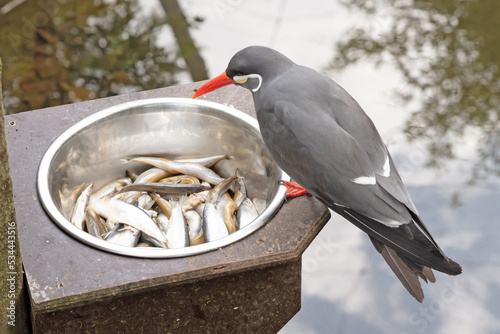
point(251, 286)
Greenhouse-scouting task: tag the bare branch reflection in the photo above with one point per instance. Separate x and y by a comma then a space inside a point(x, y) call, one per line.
point(447, 52)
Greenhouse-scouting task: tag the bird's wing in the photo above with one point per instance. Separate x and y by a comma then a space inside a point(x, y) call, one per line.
point(329, 162)
point(351, 117)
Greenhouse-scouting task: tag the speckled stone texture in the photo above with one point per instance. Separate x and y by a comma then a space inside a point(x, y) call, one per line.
point(251, 286)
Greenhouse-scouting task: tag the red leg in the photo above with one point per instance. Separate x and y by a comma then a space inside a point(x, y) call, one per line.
point(293, 189)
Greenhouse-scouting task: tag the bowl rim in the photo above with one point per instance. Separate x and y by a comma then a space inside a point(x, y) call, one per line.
point(148, 252)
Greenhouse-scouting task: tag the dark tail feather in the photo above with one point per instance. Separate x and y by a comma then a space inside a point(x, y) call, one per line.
point(407, 276)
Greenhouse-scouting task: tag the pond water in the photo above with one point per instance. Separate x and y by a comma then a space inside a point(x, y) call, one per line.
point(427, 73)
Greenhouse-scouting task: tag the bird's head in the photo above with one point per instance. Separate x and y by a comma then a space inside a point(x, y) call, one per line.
point(250, 68)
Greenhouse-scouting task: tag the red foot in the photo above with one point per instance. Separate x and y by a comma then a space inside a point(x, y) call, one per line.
point(293, 189)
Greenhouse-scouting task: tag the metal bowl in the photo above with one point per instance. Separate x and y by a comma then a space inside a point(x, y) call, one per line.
point(92, 149)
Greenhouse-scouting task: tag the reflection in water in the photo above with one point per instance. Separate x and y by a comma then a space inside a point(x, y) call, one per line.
point(447, 52)
point(58, 52)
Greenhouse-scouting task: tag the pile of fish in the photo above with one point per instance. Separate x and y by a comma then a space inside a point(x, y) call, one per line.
point(173, 204)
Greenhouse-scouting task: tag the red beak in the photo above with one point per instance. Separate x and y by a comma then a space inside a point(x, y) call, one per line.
point(218, 82)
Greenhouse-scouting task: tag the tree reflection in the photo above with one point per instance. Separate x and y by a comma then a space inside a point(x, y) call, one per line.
point(58, 52)
point(448, 53)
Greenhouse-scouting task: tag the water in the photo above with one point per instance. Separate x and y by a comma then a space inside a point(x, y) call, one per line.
point(427, 73)
point(435, 81)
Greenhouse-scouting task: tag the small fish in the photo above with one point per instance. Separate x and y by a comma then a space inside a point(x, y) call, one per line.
point(246, 213)
point(165, 188)
point(68, 198)
point(150, 175)
point(177, 233)
point(78, 216)
point(164, 204)
point(96, 226)
point(214, 227)
point(194, 221)
point(188, 168)
point(226, 208)
point(207, 161)
point(128, 214)
point(124, 235)
point(217, 191)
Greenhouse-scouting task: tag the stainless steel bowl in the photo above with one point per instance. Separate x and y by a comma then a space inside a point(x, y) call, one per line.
point(92, 149)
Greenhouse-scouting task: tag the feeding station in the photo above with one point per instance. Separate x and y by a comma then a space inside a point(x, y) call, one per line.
point(250, 283)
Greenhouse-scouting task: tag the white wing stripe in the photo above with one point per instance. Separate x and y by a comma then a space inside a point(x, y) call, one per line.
point(365, 180)
point(386, 172)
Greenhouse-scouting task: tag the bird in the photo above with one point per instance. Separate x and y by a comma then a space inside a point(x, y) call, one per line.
point(321, 137)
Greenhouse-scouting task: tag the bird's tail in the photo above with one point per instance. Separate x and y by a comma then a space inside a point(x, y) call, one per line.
point(406, 270)
point(409, 250)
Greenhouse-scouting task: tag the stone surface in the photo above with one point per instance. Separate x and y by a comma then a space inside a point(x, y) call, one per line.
point(75, 282)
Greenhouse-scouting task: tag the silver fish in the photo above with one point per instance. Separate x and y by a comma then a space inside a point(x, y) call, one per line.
point(127, 214)
point(96, 226)
point(164, 204)
point(177, 233)
point(246, 213)
point(207, 161)
point(214, 227)
point(227, 208)
point(188, 168)
point(78, 216)
point(217, 191)
point(124, 235)
point(150, 175)
point(68, 198)
point(193, 219)
point(165, 188)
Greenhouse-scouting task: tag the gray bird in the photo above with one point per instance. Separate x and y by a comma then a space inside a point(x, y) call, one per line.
point(319, 135)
